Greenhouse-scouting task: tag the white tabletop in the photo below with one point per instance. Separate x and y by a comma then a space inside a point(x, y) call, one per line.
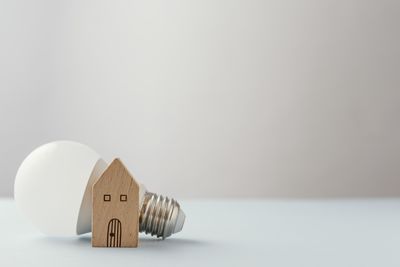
point(231, 233)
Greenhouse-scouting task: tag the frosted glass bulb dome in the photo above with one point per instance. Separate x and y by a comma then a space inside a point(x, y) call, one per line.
point(51, 183)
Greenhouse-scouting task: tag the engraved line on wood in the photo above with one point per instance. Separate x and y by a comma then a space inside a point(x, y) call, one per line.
point(114, 233)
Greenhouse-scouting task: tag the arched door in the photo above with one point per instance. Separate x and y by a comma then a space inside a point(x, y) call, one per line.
point(114, 233)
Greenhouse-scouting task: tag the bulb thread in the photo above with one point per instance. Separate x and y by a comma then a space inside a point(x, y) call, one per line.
point(158, 215)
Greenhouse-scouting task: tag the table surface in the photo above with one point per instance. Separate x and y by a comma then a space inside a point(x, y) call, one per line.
point(232, 232)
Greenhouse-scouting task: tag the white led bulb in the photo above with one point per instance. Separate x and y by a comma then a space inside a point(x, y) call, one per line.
point(53, 189)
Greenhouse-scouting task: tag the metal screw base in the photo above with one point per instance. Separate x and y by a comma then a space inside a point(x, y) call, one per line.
point(160, 216)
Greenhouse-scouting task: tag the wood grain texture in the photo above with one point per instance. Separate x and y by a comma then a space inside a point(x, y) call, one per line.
point(115, 217)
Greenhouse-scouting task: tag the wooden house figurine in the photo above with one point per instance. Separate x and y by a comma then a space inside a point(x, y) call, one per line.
point(115, 216)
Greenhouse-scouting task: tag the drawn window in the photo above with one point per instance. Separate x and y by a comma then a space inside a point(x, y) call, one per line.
point(123, 198)
point(107, 197)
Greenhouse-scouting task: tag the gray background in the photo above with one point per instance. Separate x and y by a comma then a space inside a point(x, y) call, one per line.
point(209, 98)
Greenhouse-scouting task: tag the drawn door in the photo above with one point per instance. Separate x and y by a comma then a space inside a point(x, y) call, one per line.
point(114, 233)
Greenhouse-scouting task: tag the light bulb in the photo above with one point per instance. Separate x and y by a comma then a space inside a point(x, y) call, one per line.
point(53, 188)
